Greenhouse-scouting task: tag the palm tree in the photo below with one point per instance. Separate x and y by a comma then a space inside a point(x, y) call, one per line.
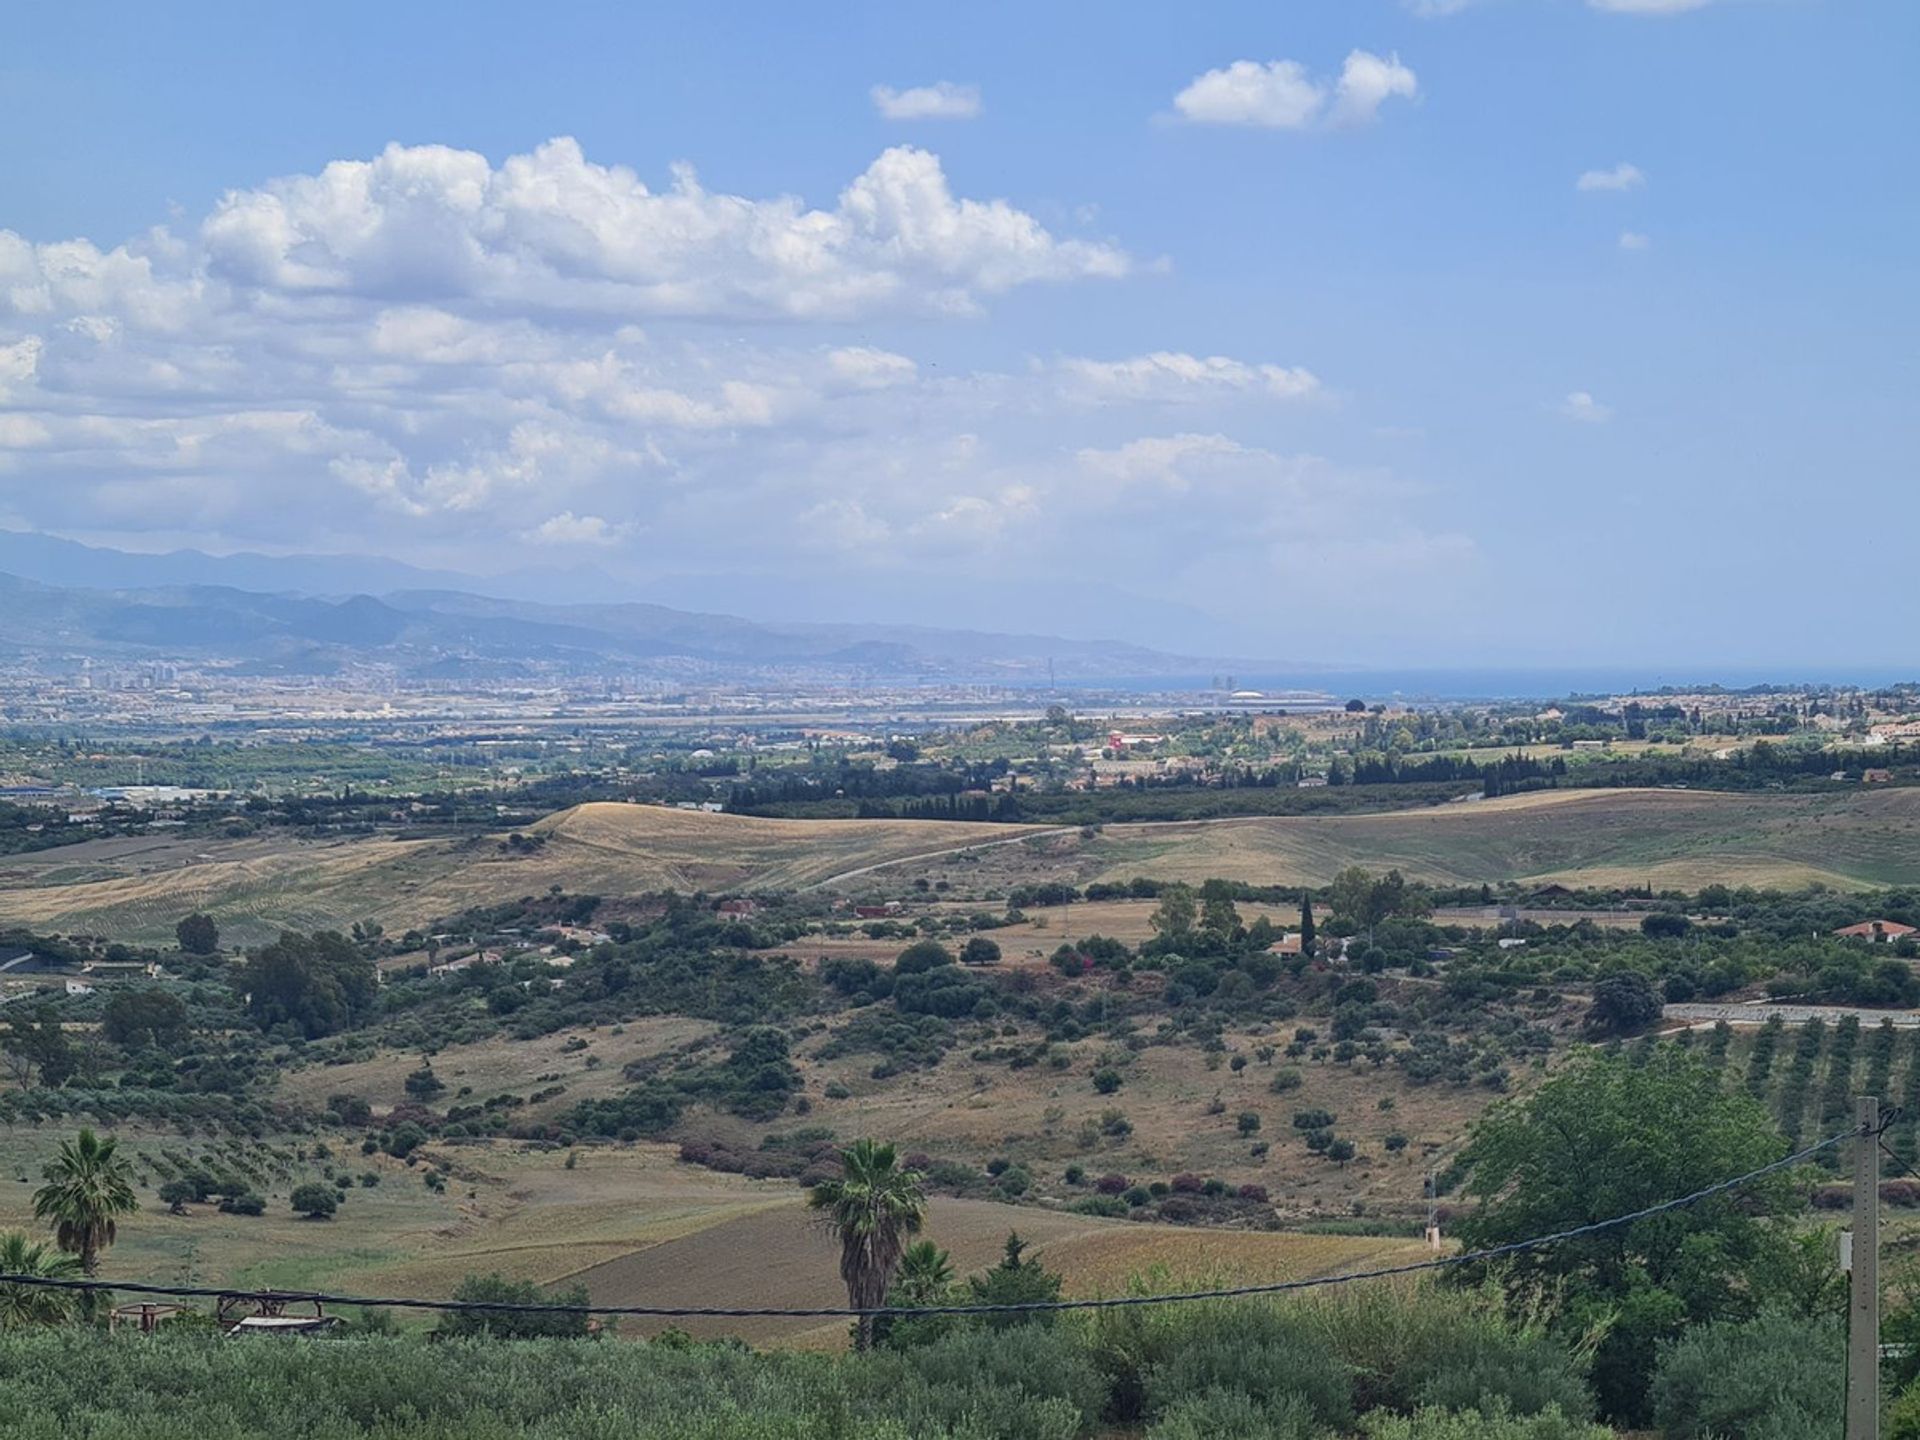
point(872, 1208)
point(926, 1275)
point(24, 1305)
point(87, 1187)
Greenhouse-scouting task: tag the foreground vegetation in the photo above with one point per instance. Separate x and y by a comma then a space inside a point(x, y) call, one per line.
point(1384, 1364)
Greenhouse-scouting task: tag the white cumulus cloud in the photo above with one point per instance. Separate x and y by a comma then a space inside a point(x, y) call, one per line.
point(942, 100)
point(554, 231)
point(567, 528)
point(1580, 405)
point(1623, 176)
point(1283, 95)
point(1366, 83)
point(1634, 240)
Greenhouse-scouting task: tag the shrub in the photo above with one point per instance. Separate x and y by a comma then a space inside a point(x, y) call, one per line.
point(315, 1201)
point(1440, 1348)
point(1776, 1376)
point(1218, 1414)
point(1106, 1080)
point(1112, 1184)
point(244, 1204)
point(1313, 1119)
point(178, 1194)
point(1270, 1356)
point(1434, 1424)
point(512, 1325)
point(1248, 1122)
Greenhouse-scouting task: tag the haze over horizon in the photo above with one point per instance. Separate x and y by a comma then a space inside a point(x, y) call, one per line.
point(1437, 335)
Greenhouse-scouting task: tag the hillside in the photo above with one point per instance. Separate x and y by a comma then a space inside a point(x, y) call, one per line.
point(632, 1224)
point(136, 888)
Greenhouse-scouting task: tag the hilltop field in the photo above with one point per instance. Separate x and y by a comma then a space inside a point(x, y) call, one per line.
point(133, 889)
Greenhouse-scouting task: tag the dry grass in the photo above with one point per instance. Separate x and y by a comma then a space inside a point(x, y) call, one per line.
point(136, 890)
point(498, 1065)
point(636, 1227)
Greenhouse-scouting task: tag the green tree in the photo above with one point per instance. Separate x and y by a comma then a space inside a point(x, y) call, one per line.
point(1306, 926)
point(1623, 1003)
point(318, 984)
point(1016, 1280)
point(1366, 899)
point(872, 1208)
point(314, 1200)
point(178, 1194)
point(1603, 1138)
point(980, 951)
point(922, 956)
point(22, 1306)
point(496, 1289)
point(88, 1188)
point(925, 1278)
point(36, 1045)
point(1173, 919)
point(136, 1019)
point(198, 935)
point(1218, 915)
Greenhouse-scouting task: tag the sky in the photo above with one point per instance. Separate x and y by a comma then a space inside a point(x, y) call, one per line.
point(1377, 332)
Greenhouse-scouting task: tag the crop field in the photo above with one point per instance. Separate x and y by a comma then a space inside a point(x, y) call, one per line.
point(633, 1224)
point(135, 890)
point(1684, 838)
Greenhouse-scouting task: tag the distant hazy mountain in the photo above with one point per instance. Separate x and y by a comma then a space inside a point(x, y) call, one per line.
point(921, 597)
point(53, 561)
point(449, 633)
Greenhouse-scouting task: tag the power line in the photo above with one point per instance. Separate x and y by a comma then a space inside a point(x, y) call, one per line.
point(697, 1312)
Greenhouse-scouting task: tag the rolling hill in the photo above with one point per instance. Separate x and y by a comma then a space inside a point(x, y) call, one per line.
point(134, 889)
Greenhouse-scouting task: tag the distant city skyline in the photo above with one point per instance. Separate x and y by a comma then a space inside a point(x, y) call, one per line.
point(1446, 333)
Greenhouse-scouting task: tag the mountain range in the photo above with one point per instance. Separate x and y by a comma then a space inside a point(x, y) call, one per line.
point(453, 633)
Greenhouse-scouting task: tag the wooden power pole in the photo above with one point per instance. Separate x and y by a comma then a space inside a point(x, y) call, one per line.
point(1863, 1313)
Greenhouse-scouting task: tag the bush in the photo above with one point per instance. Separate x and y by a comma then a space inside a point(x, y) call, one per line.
point(244, 1204)
point(1106, 1080)
point(178, 1194)
point(1286, 1078)
point(1433, 1424)
point(1765, 1379)
point(315, 1201)
point(511, 1325)
point(1269, 1356)
point(1229, 1415)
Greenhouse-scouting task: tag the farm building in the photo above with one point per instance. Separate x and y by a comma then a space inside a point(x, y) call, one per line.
point(1877, 931)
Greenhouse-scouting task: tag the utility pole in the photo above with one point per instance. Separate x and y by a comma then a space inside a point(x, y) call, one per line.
point(1863, 1313)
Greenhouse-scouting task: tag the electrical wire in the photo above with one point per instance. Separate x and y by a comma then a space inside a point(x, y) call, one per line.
point(695, 1312)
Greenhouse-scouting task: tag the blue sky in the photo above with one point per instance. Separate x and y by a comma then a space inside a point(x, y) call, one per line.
point(1294, 332)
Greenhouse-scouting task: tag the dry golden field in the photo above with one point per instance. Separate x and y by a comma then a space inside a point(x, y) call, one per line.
point(636, 1227)
point(136, 889)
